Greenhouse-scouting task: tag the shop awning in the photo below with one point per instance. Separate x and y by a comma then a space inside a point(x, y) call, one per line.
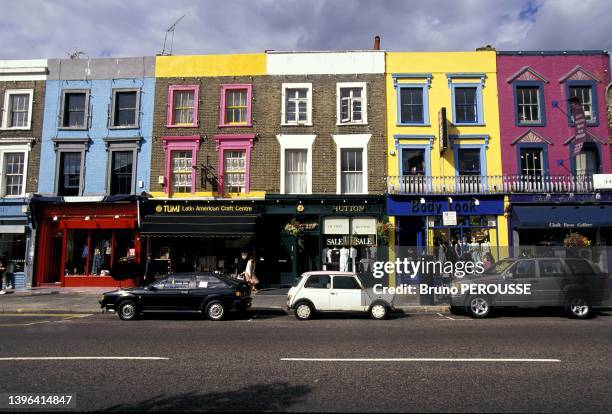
point(199, 226)
point(565, 217)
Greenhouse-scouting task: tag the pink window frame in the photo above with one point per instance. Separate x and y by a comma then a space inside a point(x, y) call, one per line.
point(234, 142)
point(230, 87)
point(170, 105)
point(181, 143)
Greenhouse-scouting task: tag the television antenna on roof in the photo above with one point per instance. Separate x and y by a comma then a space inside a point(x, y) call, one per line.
point(76, 54)
point(170, 30)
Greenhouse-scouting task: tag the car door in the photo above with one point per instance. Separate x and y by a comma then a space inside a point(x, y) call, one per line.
point(173, 295)
point(551, 278)
point(346, 294)
point(205, 286)
point(317, 289)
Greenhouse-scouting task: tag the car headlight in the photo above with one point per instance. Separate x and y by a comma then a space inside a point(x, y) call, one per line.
point(102, 298)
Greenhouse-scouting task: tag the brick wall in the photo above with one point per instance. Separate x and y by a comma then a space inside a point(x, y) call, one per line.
point(36, 127)
point(266, 113)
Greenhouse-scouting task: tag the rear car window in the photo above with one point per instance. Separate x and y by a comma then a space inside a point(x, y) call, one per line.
point(524, 269)
point(209, 282)
point(345, 282)
point(579, 267)
point(177, 282)
point(318, 282)
point(551, 268)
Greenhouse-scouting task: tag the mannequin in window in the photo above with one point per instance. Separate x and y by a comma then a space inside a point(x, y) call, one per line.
point(344, 256)
point(353, 256)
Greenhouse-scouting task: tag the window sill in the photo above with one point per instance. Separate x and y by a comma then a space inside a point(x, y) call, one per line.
point(28, 128)
point(413, 125)
point(124, 127)
point(182, 126)
point(350, 123)
point(249, 125)
point(81, 128)
point(307, 124)
point(13, 196)
point(469, 124)
point(527, 124)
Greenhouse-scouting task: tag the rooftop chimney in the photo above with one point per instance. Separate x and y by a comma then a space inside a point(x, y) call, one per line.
point(376, 42)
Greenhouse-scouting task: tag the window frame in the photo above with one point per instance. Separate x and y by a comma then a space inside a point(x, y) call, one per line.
point(170, 105)
point(16, 148)
point(425, 89)
point(6, 112)
point(541, 104)
point(79, 146)
point(352, 141)
point(364, 102)
point(240, 142)
point(113, 108)
point(303, 142)
point(540, 146)
point(308, 87)
point(479, 104)
point(594, 102)
point(180, 143)
point(121, 146)
point(249, 100)
point(85, 127)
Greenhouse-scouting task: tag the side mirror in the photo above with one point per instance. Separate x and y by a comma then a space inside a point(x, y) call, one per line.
point(509, 275)
point(152, 288)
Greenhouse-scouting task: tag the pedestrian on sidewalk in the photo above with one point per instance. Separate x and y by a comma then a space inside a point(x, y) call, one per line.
point(4, 276)
point(249, 274)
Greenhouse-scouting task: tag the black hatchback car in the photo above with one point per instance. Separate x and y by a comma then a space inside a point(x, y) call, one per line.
point(208, 293)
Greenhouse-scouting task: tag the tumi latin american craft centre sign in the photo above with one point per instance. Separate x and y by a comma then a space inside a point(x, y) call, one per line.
point(181, 208)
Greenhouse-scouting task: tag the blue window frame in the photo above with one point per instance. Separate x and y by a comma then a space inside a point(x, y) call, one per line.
point(412, 104)
point(529, 104)
point(471, 181)
point(526, 164)
point(467, 103)
point(587, 93)
point(412, 150)
point(590, 162)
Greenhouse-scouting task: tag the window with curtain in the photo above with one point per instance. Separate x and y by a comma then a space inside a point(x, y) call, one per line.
point(181, 171)
point(351, 170)
point(184, 107)
point(121, 172)
point(234, 173)
point(296, 174)
point(19, 110)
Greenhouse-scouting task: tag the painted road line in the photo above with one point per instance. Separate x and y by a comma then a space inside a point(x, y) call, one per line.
point(419, 360)
point(444, 316)
point(58, 315)
point(83, 358)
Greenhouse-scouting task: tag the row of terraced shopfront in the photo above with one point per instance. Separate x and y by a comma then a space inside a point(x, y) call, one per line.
point(116, 168)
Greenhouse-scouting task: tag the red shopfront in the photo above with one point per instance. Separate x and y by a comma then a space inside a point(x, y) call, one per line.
point(88, 245)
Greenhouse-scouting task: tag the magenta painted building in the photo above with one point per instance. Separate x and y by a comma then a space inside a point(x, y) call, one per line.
point(536, 129)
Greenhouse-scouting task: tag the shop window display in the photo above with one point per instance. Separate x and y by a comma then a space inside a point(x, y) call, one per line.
point(97, 252)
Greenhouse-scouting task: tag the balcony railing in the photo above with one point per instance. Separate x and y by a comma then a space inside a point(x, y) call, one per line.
point(490, 184)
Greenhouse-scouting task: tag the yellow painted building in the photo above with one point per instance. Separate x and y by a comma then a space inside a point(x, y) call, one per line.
point(248, 64)
point(429, 174)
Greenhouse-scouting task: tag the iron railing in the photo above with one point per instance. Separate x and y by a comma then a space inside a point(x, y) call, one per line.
point(490, 184)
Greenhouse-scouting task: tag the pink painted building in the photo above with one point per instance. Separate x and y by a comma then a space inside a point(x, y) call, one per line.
point(537, 130)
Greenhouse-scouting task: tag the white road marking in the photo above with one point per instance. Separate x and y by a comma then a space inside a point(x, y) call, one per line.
point(81, 358)
point(420, 360)
point(444, 316)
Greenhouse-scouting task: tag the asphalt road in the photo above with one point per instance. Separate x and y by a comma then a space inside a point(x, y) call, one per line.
point(533, 362)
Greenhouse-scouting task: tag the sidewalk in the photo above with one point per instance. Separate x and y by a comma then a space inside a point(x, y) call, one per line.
point(85, 300)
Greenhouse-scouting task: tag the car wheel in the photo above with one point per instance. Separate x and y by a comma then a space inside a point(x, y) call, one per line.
point(127, 310)
point(478, 307)
point(578, 307)
point(455, 310)
point(304, 311)
point(378, 311)
point(215, 310)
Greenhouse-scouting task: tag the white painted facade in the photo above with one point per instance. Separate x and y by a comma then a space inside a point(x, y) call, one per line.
point(325, 63)
point(23, 70)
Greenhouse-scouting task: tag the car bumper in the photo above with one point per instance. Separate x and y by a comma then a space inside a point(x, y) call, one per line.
point(108, 307)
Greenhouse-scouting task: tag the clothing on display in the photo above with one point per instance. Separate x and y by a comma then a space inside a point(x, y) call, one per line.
point(344, 256)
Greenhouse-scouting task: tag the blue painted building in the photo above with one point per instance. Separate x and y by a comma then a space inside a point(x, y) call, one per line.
point(96, 152)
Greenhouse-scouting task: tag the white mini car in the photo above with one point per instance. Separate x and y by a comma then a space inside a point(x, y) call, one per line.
point(328, 291)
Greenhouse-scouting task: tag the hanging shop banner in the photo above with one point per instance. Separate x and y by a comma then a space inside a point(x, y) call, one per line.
point(580, 123)
point(336, 225)
point(442, 130)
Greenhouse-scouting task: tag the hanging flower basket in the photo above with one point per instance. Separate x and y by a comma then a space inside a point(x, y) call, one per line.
point(576, 240)
point(296, 229)
point(385, 231)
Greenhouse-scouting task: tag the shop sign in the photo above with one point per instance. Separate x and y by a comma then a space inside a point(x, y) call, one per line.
point(449, 218)
point(364, 225)
point(435, 207)
point(364, 240)
point(337, 240)
point(558, 225)
point(336, 225)
point(560, 198)
point(189, 208)
point(442, 130)
point(349, 209)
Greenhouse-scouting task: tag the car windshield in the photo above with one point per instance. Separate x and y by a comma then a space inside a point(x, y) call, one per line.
point(499, 267)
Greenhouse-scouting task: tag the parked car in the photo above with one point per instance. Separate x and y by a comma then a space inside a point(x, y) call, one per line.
point(324, 291)
point(208, 293)
point(574, 284)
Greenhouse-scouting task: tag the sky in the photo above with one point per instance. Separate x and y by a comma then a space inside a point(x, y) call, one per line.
point(32, 29)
